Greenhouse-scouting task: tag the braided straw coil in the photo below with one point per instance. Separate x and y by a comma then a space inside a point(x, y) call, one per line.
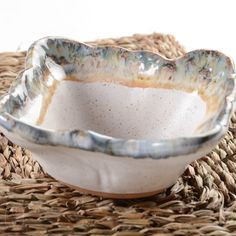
point(202, 202)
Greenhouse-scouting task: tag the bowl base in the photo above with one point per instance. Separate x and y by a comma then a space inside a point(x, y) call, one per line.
point(114, 195)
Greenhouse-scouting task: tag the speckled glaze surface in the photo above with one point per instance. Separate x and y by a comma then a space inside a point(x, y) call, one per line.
point(131, 147)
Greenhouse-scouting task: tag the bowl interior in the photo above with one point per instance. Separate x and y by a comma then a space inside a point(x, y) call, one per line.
point(123, 94)
point(121, 111)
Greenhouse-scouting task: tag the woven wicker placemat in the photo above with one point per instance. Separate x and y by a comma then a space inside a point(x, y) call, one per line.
point(202, 202)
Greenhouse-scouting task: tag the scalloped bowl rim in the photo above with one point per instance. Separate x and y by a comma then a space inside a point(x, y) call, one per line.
point(153, 148)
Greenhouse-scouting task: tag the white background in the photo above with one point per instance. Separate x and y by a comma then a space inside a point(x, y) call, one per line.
point(196, 24)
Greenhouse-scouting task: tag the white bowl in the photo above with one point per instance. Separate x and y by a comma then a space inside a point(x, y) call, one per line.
point(115, 122)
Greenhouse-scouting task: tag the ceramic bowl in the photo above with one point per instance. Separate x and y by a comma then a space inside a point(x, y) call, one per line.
point(114, 122)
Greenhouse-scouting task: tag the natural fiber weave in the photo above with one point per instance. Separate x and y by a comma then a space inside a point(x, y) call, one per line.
point(202, 202)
